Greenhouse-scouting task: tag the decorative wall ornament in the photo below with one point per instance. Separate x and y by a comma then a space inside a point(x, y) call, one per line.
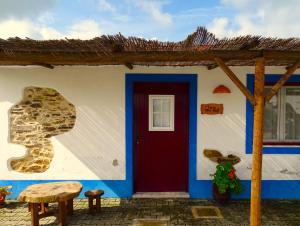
point(221, 89)
point(217, 157)
point(212, 109)
point(41, 114)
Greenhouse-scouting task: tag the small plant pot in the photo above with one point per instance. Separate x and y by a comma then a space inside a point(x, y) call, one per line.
point(221, 198)
point(2, 200)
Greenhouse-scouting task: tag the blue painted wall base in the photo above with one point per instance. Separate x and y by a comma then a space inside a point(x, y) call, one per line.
point(271, 189)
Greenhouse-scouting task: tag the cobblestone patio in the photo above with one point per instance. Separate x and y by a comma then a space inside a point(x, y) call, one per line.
point(174, 211)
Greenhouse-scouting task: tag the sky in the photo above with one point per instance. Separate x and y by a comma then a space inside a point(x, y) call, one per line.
point(165, 20)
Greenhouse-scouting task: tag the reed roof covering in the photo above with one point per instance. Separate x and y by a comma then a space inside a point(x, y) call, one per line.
point(199, 48)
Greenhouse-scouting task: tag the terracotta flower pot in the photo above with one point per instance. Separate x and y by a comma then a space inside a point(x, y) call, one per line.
point(221, 198)
point(2, 200)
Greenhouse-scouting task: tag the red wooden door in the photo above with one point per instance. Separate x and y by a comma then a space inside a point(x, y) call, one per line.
point(161, 155)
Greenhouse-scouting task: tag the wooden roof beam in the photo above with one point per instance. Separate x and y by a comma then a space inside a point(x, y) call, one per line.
point(289, 72)
point(43, 65)
point(235, 80)
point(129, 65)
point(212, 66)
point(59, 57)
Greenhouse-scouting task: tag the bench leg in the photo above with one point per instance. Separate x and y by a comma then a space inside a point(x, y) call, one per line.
point(98, 204)
point(62, 221)
point(44, 207)
point(70, 207)
point(34, 209)
point(91, 205)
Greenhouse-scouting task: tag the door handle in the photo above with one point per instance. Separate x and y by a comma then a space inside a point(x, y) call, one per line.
point(139, 139)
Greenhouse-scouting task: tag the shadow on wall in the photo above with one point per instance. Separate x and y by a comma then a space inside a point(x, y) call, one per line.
point(98, 142)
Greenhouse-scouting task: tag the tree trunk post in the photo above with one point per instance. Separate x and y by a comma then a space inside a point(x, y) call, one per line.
point(255, 209)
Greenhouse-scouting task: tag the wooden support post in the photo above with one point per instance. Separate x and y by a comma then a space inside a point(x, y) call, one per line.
point(289, 72)
point(259, 83)
point(235, 80)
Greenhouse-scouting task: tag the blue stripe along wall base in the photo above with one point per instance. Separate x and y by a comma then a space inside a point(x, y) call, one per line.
point(271, 189)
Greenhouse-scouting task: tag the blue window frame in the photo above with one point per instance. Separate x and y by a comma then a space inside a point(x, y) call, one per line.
point(249, 119)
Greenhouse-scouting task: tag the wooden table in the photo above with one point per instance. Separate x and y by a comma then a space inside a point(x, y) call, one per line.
point(39, 195)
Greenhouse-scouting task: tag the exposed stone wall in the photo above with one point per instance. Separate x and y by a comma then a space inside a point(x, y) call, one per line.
point(41, 114)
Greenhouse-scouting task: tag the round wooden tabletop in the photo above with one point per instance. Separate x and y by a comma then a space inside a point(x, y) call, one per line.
point(50, 192)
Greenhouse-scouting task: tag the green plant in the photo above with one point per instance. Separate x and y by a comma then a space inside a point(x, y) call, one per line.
point(225, 178)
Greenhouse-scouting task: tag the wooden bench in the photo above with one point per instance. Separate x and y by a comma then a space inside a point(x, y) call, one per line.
point(94, 195)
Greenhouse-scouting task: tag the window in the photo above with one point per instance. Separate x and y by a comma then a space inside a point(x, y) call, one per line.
point(282, 121)
point(161, 112)
point(282, 116)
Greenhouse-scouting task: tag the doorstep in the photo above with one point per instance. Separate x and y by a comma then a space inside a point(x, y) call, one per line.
point(161, 195)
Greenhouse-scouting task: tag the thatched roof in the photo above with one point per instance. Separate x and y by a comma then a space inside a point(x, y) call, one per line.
point(199, 48)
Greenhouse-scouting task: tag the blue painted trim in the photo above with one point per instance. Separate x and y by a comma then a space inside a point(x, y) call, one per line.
point(249, 119)
point(112, 188)
point(186, 78)
point(271, 189)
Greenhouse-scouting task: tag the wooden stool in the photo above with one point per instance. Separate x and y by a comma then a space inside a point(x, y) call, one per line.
point(91, 195)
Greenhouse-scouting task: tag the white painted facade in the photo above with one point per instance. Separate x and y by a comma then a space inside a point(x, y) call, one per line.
point(95, 148)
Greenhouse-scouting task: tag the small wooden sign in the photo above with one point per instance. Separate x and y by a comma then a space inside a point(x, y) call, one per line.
point(212, 109)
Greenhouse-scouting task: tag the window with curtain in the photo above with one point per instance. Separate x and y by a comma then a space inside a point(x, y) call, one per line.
point(282, 116)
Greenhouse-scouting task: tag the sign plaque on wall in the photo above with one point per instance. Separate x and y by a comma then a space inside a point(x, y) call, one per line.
point(212, 109)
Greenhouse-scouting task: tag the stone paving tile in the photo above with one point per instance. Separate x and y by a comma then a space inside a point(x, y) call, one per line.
point(124, 212)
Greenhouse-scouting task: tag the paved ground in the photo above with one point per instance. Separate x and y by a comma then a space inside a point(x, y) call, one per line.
point(175, 211)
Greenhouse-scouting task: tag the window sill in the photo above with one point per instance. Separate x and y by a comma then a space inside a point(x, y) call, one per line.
point(277, 149)
point(281, 149)
point(274, 143)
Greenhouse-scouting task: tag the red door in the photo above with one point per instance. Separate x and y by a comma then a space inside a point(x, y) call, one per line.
point(161, 118)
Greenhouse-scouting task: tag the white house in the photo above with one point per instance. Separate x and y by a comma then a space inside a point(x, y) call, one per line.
point(139, 127)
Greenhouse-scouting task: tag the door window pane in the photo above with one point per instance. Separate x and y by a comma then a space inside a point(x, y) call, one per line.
point(161, 112)
point(292, 113)
point(166, 120)
point(156, 119)
point(271, 118)
point(156, 105)
point(166, 105)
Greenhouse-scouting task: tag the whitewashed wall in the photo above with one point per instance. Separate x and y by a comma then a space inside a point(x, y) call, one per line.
point(98, 138)
point(87, 151)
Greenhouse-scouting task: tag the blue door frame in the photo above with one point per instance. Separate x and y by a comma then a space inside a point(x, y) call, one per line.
point(191, 79)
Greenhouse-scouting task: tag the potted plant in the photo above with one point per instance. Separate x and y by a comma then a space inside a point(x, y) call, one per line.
point(225, 181)
point(4, 191)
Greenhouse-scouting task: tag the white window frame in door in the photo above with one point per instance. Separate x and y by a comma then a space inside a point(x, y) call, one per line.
point(171, 113)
